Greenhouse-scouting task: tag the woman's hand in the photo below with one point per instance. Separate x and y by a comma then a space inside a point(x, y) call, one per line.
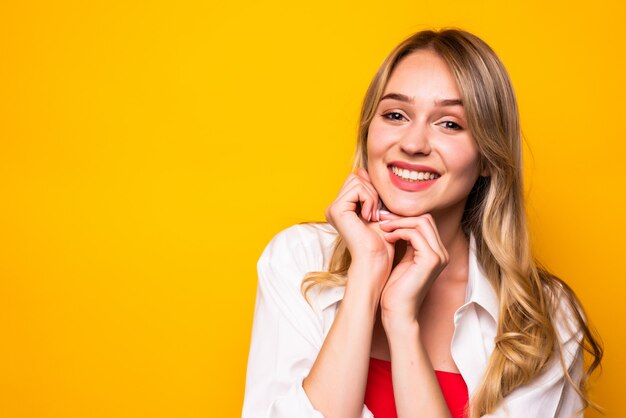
point(360, 231)
point(421, 264)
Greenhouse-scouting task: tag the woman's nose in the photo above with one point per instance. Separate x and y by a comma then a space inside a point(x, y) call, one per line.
point(417, 139)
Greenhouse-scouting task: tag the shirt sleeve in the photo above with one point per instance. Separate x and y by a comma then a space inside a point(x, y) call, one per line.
point(287, 334)
point(550, 395)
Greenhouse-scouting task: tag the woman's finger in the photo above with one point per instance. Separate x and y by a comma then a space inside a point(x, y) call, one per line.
point(356, 192)
point(418, 242)
point(385, 215)
point(425, 225)
point(431, 220)
point(364, 175)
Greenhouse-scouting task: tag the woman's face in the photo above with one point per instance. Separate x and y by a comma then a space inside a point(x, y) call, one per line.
point(421, 155)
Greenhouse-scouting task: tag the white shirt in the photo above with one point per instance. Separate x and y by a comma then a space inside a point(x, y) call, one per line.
point(287, 335)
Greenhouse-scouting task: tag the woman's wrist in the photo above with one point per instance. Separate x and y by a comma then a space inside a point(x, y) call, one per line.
point(371, 274)
point(362, 289)
point(399, 324)
point(372, 262)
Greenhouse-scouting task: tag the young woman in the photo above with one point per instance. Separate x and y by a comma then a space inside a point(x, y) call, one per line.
point(420, 296)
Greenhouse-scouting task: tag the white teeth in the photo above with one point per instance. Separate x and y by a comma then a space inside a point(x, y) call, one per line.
point(413, 175)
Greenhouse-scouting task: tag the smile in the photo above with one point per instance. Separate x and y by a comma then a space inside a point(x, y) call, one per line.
point(411, 176)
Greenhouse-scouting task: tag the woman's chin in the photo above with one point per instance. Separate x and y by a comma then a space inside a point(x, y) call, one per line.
point(406, 211)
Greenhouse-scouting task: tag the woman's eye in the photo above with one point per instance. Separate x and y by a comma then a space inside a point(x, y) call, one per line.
point(393, 116)
point(452, 125)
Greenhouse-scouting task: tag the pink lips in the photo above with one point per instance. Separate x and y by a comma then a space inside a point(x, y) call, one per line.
point(413, 167)
point(411, 186)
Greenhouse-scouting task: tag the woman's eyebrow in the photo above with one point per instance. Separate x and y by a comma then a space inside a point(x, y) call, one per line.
point(448, 102)
point(407, 99)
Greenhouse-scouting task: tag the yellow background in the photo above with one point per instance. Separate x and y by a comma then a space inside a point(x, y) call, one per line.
point(150, 150)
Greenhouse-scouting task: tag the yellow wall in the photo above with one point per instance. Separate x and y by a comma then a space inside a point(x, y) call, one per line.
point(149, 151)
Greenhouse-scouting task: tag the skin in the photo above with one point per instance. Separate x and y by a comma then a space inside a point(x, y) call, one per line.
point(409, 267)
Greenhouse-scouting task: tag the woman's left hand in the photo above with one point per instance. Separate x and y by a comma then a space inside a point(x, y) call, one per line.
point(421, 264)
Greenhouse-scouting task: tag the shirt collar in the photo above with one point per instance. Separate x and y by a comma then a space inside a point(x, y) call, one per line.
point(479, 288)
point(328, 296)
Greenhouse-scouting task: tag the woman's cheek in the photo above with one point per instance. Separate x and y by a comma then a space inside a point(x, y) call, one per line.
point(459, 155)
point(381, 136)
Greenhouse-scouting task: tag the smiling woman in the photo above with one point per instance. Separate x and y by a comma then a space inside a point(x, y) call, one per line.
point(420, 296)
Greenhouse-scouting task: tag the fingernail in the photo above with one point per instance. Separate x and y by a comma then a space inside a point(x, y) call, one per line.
point(384, 212)
point(370, 218)
point(386, 220)
point(378, 214)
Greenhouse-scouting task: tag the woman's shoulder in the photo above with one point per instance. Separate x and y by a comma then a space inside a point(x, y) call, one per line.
point(306, 235)
point(300, 248)
point(306, 232)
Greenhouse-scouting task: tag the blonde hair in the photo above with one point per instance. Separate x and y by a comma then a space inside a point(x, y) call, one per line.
point(494, 215)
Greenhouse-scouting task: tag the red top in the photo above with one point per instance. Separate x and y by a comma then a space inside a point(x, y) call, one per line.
point(379, 391)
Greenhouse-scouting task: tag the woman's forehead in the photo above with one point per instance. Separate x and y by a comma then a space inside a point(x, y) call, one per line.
point(422, 75)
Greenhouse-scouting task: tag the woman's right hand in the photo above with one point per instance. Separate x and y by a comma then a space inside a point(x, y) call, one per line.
point(360, 231)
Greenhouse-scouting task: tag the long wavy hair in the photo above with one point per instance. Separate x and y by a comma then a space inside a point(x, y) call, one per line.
point(529, 295)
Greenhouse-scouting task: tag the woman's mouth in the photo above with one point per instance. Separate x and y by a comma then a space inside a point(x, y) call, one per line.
point(412, 180)
point(412, 176)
